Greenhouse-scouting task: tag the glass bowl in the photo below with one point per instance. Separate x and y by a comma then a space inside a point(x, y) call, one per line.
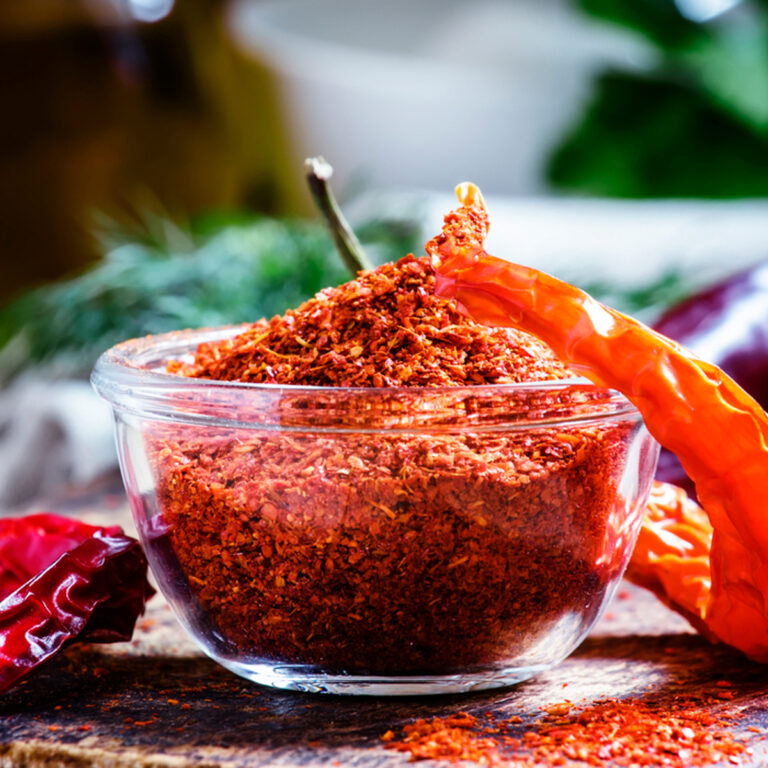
point(377, 541)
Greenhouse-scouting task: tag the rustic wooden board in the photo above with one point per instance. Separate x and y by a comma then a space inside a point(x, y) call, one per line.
point(157, 701)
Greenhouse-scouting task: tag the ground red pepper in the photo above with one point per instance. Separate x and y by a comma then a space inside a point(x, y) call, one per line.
point(387, 553)
point(385, 329)
point(685, 732)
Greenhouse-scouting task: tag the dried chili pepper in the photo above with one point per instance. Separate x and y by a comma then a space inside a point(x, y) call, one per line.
point(61, 580)
point(671, 556)
point(727, 324)
point(719, 432)
point(31, 543)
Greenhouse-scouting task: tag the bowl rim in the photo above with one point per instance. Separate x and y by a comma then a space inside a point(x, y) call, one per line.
point(114, 363)
point(123, 375)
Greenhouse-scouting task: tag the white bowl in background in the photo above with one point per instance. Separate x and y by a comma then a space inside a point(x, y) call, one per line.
point(420, 93)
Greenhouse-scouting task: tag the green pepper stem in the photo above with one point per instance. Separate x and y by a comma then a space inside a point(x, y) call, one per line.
point(318, 172)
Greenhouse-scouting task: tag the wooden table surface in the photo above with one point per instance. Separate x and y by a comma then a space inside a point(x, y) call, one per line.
point(158, 701)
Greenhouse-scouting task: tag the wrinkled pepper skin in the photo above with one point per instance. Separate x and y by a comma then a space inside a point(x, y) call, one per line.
point(671, 556)
point(726, 324)
point(29, 544)
point(718, 431)
point(69, 581)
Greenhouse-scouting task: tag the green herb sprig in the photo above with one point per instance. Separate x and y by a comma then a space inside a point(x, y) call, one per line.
point(238, 270)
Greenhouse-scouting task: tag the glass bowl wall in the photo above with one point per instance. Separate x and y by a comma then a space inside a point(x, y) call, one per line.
point(384, 541)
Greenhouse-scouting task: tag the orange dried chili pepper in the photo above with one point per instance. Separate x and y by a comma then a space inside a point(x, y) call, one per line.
point(671, 556)
point(719, 432)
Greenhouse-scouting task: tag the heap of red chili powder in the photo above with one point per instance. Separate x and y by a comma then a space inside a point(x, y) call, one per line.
point(681, 733)
point(388, 552)
point(385, 329)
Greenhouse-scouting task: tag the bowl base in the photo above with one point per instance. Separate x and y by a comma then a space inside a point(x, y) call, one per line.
point(309, 679)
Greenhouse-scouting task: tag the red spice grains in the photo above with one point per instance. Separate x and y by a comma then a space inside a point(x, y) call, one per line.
point(385, 329)
point(404, 550)
point(620, 732)
point(455, 737)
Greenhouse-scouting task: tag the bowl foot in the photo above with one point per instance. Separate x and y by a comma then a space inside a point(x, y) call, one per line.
point(311, 680)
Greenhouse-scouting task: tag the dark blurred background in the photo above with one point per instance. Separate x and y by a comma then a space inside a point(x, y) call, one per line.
point(112, 106)
point(187, 107)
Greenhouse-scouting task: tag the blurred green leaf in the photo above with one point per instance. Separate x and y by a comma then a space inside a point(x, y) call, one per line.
point(694, 126)
point(219, 272)
point(658, 20)
point(645, 137)
point(731, 67)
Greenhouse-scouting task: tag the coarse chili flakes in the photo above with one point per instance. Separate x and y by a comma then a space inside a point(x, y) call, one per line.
point(355, 539)
point(385, 329)
point(681, 733)
point(455, 737)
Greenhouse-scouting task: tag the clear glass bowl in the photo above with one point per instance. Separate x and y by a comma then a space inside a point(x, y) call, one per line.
point(377, 541)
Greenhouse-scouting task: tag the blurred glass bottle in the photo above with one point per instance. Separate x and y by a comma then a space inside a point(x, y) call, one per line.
point(115, 104)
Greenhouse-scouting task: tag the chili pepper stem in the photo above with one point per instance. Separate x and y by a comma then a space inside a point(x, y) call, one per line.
point(318, 172)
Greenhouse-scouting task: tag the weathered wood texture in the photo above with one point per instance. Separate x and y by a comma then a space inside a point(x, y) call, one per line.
point(157, 701)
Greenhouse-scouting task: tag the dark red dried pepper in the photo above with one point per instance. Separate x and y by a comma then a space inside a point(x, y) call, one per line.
point(61, 580)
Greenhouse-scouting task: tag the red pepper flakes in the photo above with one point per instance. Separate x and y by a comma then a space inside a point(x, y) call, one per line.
point(620, 732)
point(725, 694)
point(456, 737)
point(385, 329)
point(396, 553)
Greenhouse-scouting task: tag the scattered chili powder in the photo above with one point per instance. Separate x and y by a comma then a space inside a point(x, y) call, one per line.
point(456, 737)
point(387, 553)
point(621, 732)
point(144, 723)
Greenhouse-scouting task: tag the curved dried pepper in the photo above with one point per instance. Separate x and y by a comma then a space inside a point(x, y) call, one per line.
point(62, 580)
point(719, 432)
point(671, 556)
point(29, 544)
